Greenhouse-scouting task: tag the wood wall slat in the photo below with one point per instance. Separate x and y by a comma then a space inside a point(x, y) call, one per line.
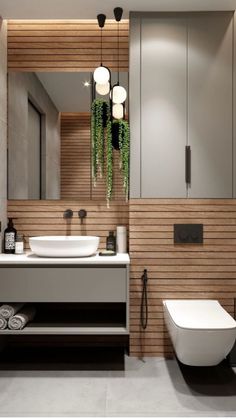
point(49, 220)
point(178, 271)
point(65, 45)
point(75, 163)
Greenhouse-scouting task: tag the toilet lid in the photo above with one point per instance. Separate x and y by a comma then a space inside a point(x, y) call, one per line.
point(199, 314)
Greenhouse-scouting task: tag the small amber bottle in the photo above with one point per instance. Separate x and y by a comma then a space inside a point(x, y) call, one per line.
point(111, 241)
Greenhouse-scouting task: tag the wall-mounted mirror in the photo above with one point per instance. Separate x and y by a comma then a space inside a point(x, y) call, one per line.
point(49, 147)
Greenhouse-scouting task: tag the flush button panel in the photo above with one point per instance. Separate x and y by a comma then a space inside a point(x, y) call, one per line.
point(188, 233)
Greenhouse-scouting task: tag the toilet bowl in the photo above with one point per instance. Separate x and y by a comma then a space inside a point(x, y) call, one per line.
point(202, 332)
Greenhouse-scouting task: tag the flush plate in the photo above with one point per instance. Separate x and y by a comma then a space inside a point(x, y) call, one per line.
point(188, 233)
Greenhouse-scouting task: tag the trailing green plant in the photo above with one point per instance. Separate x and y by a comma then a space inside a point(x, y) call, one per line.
point(99, 120)
point(123, 142)
point(105, 135)
point(109, 163)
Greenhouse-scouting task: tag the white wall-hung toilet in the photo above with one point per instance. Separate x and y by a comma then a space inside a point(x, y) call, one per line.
point(202, 332)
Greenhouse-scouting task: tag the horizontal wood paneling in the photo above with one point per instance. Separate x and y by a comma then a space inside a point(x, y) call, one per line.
point(65, 45)
point(182, 271)
point(75, 156)
point(39, 218)
point(76, 179)
point(178, 271)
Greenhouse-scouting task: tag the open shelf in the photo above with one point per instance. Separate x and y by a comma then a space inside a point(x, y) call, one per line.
point(50, 329)
point(76, 319)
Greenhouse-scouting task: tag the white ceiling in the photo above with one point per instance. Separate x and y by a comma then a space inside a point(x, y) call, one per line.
point(67, 90)
point(88, 9)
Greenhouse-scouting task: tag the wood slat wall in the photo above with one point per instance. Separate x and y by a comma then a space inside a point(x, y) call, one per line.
point(178, 271)
point(76, 179)
point(65, 45)
point(174, 271)
point(39, 218)
point(75, 156)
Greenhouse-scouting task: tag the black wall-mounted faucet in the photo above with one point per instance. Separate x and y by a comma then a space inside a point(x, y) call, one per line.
point(68, 214)
point(82, 214)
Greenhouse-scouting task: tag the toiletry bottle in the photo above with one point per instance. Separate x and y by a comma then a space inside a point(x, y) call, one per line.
point(111, 242)
point(9, 237)
point(121, 239)
point(19, 246)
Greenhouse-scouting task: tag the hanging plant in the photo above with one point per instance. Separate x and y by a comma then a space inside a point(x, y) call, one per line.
point(120, 141)
point(109, 163)
point(99, 120)
point(115, 134)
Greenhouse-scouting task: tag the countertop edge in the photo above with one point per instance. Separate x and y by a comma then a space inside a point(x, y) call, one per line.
point(30, 259)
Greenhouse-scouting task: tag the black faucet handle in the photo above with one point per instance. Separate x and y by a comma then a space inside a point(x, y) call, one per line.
point(68, 214)
point(82, 214)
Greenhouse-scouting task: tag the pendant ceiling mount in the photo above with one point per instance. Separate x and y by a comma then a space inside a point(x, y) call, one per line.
point(118, 12)
point(101, 20)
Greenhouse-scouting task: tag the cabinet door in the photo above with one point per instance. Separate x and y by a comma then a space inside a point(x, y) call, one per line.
point(63, 284)
point(210, 104)
point(163, 107)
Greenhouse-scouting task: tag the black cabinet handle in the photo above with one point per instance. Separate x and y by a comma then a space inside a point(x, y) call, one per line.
point(187, 164)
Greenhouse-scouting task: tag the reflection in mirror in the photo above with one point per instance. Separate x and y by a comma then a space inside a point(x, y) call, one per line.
point(49, 147)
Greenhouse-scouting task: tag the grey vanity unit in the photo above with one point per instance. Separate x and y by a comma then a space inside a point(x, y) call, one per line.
point(83, 299)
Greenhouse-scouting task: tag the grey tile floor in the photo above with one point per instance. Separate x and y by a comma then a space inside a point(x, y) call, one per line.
point(153, 387)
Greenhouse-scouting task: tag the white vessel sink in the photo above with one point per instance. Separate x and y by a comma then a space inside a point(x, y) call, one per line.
point(64, 246)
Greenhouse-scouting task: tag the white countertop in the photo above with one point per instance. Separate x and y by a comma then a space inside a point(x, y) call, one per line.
point(31, 259)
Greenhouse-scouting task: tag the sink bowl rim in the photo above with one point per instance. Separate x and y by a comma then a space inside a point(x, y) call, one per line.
point(63, 238)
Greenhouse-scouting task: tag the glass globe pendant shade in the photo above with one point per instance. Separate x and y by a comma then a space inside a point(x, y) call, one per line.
point(119, 94)
point(103, 89)
point(118, 111)
point(101, 75)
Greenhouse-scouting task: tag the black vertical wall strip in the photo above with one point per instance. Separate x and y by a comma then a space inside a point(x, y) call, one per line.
point(144, 301)
point(187, 164)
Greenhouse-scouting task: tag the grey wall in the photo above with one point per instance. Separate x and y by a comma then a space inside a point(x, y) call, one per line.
point(22, 86)
point(3, 123)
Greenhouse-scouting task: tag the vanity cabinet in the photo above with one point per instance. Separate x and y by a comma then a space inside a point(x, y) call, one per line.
point(181, 94)
point(63, 284)
point(74, 296)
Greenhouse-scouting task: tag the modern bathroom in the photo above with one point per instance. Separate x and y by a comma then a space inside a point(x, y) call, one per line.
point(117, 208)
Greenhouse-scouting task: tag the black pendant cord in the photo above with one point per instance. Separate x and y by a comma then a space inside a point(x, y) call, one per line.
point(101, 22)
point(144, 301)
point(101, 47)
point(118, 52)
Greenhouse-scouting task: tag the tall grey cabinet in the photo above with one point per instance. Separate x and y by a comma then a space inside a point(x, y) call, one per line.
point(181, 96)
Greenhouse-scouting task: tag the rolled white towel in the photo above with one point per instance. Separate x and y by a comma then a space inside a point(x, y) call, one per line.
point(20, 320)
point(9, 310)
point(3, 323)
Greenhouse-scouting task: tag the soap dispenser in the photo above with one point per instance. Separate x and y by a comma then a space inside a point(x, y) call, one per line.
point(9, 237)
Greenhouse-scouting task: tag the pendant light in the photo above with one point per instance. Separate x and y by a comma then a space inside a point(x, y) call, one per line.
point(101, 74)
point(103, 89)
point(118, 110)
point(118, 93)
